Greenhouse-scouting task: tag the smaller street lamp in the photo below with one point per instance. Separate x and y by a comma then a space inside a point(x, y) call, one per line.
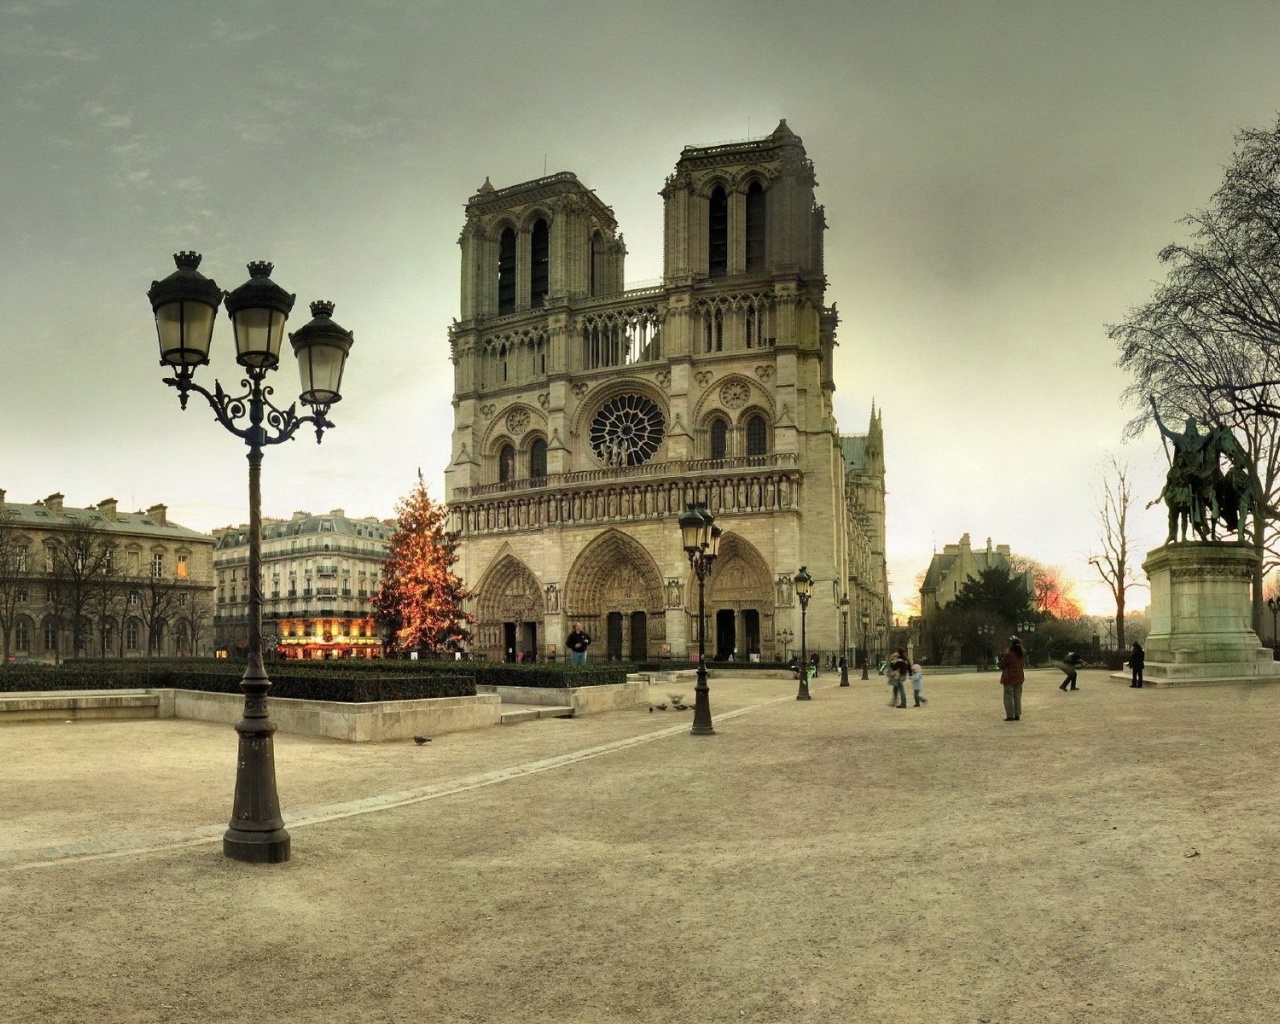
point(985, 636)
point(866, 642)
point(701, 540)
point(1274, 604)
point(844, 640)
point(804, 587)
point(1025, 629)
point(785, 636)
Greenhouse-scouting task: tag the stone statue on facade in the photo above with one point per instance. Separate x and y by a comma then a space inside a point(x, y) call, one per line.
point(1199, 494)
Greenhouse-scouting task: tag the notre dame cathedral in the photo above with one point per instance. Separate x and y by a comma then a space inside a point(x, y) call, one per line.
point(586, 418)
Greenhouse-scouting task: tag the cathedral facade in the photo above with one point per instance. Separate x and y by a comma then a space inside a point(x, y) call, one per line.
point(588, 417)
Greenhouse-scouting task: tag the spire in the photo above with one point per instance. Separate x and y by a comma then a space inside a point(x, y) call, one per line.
point(486, 188)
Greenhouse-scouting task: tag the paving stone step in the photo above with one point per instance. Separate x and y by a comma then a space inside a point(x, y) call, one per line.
point(512, 713)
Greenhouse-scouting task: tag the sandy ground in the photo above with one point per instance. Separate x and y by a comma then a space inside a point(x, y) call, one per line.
point(1111, 857)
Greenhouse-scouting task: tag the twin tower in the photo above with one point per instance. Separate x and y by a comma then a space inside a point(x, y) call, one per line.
point(587, 417)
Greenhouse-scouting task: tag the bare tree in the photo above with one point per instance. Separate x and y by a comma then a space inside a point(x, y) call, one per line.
point(79, 558)
point(15, 580)
point(193, 621)
point(1114, 562)
point(1208, 342)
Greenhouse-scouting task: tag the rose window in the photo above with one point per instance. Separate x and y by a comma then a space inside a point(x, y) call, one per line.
point(627, 431)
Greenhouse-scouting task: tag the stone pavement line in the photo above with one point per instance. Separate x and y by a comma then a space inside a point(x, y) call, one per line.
point(53, 856)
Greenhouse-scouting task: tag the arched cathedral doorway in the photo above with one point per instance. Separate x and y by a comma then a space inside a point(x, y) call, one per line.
point(615, 590)
point(509, 610)
point(739, 600)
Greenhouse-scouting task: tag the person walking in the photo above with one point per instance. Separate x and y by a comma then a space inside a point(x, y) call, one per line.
point(1070, 664)
point(578, 641)
point(899, 669)
point(1011, 679)
point(1137, 662)
point(917, 684)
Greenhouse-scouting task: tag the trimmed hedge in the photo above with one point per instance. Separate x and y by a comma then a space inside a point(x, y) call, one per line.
point(550, 676)
point(138, 675)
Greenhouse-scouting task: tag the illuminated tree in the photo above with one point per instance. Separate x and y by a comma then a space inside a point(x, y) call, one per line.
point(419, 603)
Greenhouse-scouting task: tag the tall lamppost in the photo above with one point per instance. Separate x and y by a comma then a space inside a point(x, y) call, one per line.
point(701, 539)
point(881, 629)
point(866, 641)
point(804, 587)
point(1274, 604)
point(185, 304)
point(844, 640)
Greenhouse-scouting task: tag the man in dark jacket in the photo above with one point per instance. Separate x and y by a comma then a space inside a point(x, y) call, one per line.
point(1072, 662)
point(578, 641)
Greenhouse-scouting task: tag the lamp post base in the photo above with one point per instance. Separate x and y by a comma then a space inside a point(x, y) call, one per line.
point(256, 847)
point(844, 675)
point(702, 706)
point(804, 691)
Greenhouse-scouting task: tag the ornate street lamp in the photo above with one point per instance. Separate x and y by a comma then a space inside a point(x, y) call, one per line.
point(1274, 604)
point(185, 304)
point(844, 640)
point(881, 629)
point(804, 587)
point(866, 641)
point(701, 539)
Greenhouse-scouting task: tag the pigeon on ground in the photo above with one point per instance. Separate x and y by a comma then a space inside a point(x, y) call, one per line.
point(421, 740)
point(662, 707)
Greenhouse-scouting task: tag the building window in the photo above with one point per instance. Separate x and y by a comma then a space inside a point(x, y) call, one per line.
point(181, 570)
point(22, 637)
point(757, 436)
point(538, 459)
point(21, 595)
point(134, 599)
point(719, 439)
point(506, 464)
point(507, 272)
point(755, 228)
point(131, 635)
point(596, 252)
point(50, 637)
point(157, 566)
point(627, 431)
point(718, 234)
point(20, 562)
point(539, 265)
point(108, 635)
point(714, 332)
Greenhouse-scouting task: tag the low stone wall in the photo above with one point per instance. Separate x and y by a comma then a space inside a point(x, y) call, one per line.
point(358, 723)
point(585, 700)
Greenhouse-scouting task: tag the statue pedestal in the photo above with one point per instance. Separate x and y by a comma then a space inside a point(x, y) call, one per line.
point(1201, 617)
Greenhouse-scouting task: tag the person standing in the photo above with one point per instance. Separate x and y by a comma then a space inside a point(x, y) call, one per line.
point(578, 641)
point(1011, 679)
point(1137, 662)
point(1070, 664)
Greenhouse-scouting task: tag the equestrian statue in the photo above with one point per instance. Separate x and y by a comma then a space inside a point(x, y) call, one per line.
point(1200, 495)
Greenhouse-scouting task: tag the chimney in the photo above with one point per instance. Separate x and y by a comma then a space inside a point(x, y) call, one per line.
point(54, 504)
point(301, 515)
point(965, 542)
point(107, 506)
point(341, 513)
point(1, 497)
point(157, 512)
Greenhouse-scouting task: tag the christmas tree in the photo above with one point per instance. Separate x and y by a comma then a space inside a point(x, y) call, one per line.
point(419, 604)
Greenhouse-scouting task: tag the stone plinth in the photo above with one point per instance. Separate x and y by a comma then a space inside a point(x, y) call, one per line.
point(1201, 617)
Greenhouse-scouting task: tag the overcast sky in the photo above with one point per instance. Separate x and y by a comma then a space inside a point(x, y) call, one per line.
point(998, 178)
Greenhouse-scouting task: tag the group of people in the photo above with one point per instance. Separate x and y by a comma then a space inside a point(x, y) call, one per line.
point(1012, 674)
point(898, 670)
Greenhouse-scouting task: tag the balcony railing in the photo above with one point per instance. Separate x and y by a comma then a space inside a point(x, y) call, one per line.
point(629, 474)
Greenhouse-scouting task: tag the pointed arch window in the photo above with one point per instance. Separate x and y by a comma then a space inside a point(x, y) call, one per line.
point(539, 265)
point(507, 272)
point(757, 436)
point(719, 439)
point(718, 233)
point(538, 459)
point(596, 253)
point(755, 228)
point(506, 464)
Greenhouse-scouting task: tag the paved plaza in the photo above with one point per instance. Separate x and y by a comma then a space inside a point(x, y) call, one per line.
point(1111, 858)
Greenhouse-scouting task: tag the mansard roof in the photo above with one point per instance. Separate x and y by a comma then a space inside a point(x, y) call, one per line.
point(140, 524)
point(305, 524)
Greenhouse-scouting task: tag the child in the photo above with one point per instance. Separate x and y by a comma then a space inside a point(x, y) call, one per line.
point(917, 682)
